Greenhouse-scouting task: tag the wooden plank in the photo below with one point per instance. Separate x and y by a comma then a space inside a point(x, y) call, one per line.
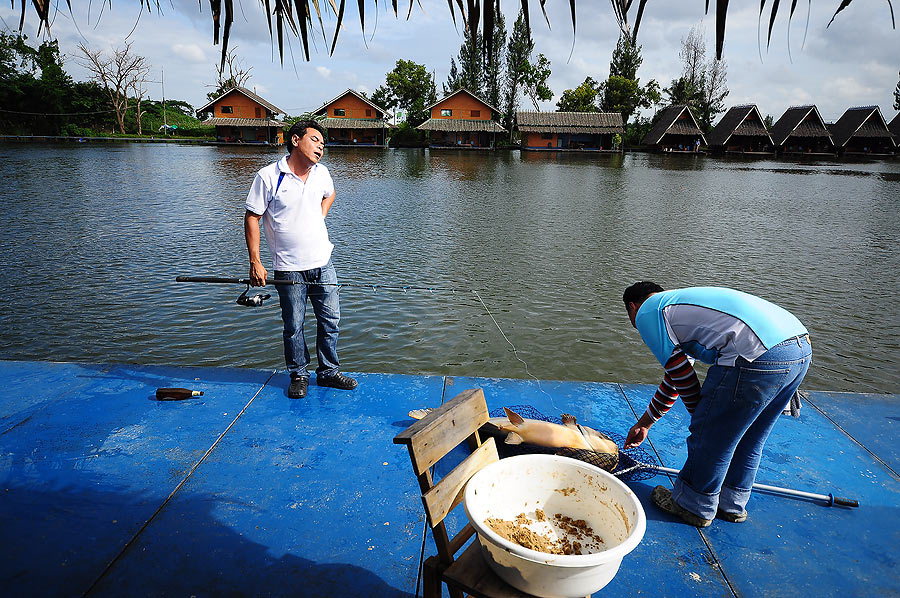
point(472, 573)
point(448, 493)
point(443, 429)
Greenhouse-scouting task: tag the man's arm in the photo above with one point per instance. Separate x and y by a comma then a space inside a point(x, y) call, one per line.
point(326, 204)
point(680, 379)
point(258, 272)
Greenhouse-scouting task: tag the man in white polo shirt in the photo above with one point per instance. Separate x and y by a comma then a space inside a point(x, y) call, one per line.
point(292, 198)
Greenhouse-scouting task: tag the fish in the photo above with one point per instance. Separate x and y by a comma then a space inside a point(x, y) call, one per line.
point(519, 430)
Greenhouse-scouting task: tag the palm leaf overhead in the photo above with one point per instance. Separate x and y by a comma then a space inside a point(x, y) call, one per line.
point(297, 15)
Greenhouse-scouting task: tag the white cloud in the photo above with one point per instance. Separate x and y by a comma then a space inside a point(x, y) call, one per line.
point(189, 52)
point(324, 72)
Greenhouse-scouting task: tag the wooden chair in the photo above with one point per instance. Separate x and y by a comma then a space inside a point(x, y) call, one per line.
point(429, 440)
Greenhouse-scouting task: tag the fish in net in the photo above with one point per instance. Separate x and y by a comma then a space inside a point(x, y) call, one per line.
point(632, 464)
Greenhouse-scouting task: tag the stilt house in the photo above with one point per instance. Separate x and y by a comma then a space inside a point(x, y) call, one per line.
point(862, 131)
point(574, 131)
point(241, 116)
point(462, 120)
point(742, 131)
point(676, 130)
point(351, 119)
point(801, 130)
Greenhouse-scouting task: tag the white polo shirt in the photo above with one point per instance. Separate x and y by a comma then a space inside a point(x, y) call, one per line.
point(292, 217)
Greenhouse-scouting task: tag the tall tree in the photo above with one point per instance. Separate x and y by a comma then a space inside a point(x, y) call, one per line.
point(702, 84)
point(470, 74)
point(116, 74)
point(581, 99)
point(493, 63)
point(524, 75)
point(409, 87)
point(897, 96)
point(536, 87)
point(622, 91)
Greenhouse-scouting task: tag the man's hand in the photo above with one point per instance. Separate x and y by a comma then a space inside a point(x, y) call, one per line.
point(638, 432)
point(258, 274)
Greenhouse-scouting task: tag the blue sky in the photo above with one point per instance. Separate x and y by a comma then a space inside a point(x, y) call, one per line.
point(855, 62)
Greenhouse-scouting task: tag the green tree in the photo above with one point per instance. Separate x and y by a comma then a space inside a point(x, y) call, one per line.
point(493, 65)
point(518, 54)
point(701, 85)
point(535, 81)
point(581, 99)
point(469, 74)
point(623, 92)
point(897, 96)
point(409, 87)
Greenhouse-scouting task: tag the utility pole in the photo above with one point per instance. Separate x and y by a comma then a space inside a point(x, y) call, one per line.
point(162, 82)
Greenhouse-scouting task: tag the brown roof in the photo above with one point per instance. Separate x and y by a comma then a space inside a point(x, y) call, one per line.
point(461, 90)
point(865, 121)
point(569, 122)
point(668, 123)
point(745, 121)
point(459, 124)
point(358, 95)
point(353, 123)
point(275, 109)
point(894, 127)
point(242, 122)
point(799, 121)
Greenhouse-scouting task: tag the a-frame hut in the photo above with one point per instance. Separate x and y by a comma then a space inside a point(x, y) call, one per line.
point(801, 130)
point(241, 116)
point(351, 119)
point(569, 131)
point(676, 130)
point(743, 131)
point(894, 128)
point(862, 131)
point(462, 120)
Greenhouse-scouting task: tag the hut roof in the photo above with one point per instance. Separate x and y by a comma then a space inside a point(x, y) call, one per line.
point(739, 120)
point(668, 122)
point(244, 91)
point(461, 90)
point(569, 122)
point(799, 121)
point(353, 123)
point(459, 124)
point(242, 122)
point(894, 127)
point(360, 96)
point(865, 121)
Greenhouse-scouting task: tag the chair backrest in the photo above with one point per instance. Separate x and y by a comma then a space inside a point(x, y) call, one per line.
point(433, 437)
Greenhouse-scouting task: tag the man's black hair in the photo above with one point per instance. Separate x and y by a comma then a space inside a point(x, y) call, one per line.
point(299, 129)
point(639, 291)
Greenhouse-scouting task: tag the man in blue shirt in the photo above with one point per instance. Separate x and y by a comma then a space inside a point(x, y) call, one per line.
point(759, 354)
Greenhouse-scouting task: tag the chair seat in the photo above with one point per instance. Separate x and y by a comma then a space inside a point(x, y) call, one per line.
point(472, 574)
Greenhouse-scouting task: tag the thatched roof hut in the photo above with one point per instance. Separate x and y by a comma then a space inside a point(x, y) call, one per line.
point(802, 130)
point(569, 130)
point(862, 130)
point(462, 119)
point(676, 129)
point(241, 116)
point(351, 119)
point(741, 129)
point(894, 127)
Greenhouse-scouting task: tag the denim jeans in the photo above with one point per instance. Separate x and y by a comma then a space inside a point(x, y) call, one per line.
point(738, 407)
point(323, 293)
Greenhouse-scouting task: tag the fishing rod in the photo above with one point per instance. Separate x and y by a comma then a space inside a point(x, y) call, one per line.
point(257, 300)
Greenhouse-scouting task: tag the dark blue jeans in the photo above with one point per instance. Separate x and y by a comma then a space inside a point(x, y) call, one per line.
point(738, 408)
point(322, 290)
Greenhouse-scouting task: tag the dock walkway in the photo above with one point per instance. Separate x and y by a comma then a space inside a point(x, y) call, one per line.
point(244, 492)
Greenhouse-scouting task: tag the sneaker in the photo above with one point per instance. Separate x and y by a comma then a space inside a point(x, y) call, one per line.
point(732, 517)
point(662, 498)
point(297, 389)
point(336, 380)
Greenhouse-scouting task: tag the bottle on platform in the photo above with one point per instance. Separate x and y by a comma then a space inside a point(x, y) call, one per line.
point(176, 394)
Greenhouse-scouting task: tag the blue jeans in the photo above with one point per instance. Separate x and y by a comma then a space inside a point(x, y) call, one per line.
point(323, 293)
point(738, 407)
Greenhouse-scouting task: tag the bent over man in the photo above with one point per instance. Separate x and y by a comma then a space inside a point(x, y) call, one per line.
point(292, 197)
point(759, 354)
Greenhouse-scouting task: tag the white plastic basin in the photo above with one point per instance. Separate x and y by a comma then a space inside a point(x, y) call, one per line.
point(525, 483)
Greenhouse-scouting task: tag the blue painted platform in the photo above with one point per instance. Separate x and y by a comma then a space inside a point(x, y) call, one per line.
point(243, 492)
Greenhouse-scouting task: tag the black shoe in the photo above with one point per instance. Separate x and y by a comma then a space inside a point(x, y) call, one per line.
point(337, 380)
point(662, 498)
point(732, 517)
point(297, 389)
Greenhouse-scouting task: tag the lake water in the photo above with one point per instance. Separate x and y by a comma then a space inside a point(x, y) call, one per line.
point(538, 246)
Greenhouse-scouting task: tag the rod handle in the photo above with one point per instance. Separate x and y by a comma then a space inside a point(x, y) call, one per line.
point(844, 502)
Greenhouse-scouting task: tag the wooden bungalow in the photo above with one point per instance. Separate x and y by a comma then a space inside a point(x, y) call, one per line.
point(351, 119)
point(862, 132)
point(676, 130)
point(894, 128)
point(569, 131)
point(801, 130)
point(241, 116)
point(741, 131)
point(462, 120)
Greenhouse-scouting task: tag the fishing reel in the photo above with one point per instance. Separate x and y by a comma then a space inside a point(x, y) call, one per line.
point(254, 301)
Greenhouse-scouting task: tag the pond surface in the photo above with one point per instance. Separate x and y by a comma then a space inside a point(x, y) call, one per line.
point(516, 262)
